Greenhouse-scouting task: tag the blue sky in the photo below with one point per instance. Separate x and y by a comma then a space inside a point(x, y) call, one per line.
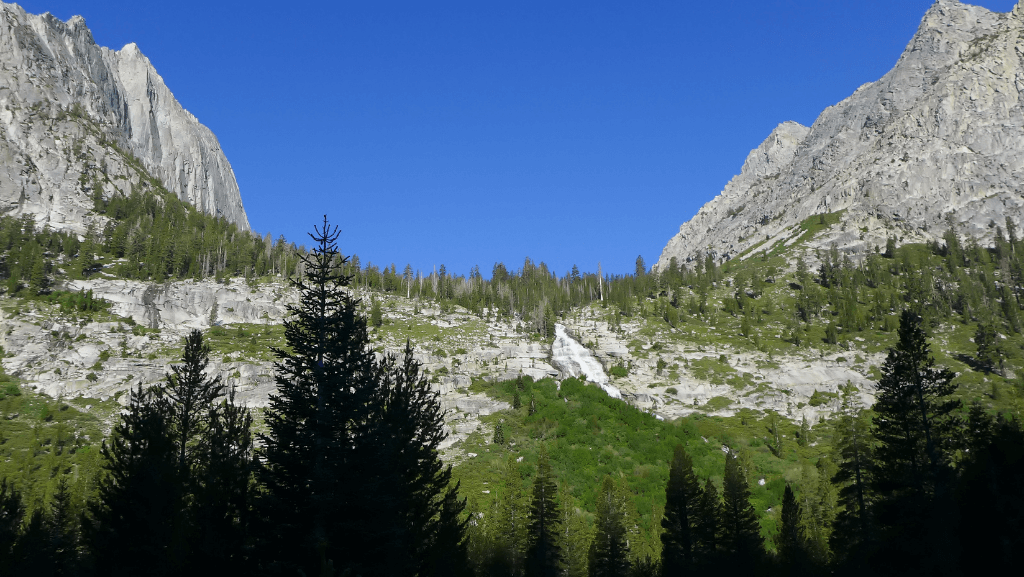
point(464, 133)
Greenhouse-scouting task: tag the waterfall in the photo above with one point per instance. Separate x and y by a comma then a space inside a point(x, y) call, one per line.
point(575, 360)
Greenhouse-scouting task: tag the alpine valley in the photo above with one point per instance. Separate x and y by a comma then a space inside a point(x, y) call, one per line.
point(761, 332)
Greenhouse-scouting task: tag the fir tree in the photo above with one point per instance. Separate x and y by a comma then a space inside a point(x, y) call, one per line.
point(12, 511)
point(792, 550)
point(351, 472)
point(223, 498)
point(139, 510)
point(741, 535)
point(574, 539)
point(853, 531)
point(914, 425)
point(511, 518)
point(708, 526)
point(62, 526)
point(499, 435)
point(682, 504)
point(609, 552)
point(544, 555)
point(190, 395)
point(324, 378)
point(416, 509)
point(990, 353)
point(990, 498)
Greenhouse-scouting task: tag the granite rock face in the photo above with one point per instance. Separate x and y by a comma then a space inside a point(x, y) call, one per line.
point(937, 140)
point(74, 114)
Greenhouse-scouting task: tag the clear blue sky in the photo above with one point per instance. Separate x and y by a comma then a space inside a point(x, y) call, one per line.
point(473, 132)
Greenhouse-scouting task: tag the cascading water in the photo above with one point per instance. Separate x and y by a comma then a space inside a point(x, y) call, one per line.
point(575, 360)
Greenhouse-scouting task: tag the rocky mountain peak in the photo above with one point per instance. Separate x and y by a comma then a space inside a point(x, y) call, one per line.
point(76, 118)
point(937, 138)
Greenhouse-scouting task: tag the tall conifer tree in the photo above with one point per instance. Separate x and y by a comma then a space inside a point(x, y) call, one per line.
point(323, 379)
point(544, 556)
point(609, 552)
point(682, 505)
point(914, 425)
point(741, 535)
point(139, 510)
point(791, 543)
point(854, 529)
point(351, 470)
point(708, 527)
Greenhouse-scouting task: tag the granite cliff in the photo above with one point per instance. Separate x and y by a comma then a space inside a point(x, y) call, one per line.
point(937, 140)
point(77, 119)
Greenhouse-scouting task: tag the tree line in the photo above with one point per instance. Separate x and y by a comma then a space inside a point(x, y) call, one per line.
point(347, 478)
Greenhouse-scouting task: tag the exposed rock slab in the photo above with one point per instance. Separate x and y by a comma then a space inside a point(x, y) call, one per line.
point(941, 136)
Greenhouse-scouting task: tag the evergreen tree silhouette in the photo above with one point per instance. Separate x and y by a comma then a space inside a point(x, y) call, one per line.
point(544, 554)
point(190, 395)
point(12, 512)
point(409, 486)
point(140, 505)
point(741, 535)
point(609, 552)
point(32, 551)
point(221, 517)
point(62, 526)
point(708, 526)
point(791, 543)
point(853, 530)
point(324, 378)
point(682, 505)
point(914, 425)
point(990, 498)
point(351, 473)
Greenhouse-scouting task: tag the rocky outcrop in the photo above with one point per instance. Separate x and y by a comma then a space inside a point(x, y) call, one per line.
point(75, 118)
point(938, 139)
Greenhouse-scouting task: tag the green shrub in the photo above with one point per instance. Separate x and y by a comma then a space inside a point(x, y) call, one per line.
point(717, 403)
point(92, 377)
point(618, 371)
point(820, 398)
point(9, 390)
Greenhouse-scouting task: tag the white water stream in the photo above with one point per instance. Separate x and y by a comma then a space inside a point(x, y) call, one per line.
point(575, 360)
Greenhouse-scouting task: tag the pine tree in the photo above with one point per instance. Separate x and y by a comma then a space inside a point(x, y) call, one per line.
point(62, 526)
point(574, 539)
point(609, 552)
point(415, 508)
point(499, 435)
point(682, 503)
point(990, 353)
point(790, 540)
point(351, 472)
point(741, 535)
point(708, 527)
point(190, 395)
point(990, 497)
point(224, 495)
point(914, 425)
point(324, 378)
point(139, 509)
point(12, 511)
point(544, 555)
point(854, 530)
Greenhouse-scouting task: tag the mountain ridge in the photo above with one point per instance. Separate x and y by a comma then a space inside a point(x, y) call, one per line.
point(937, 137)
point(66, 100)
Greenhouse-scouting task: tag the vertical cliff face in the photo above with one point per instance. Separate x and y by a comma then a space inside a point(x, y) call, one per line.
point(74, 114)
point(939, 138)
